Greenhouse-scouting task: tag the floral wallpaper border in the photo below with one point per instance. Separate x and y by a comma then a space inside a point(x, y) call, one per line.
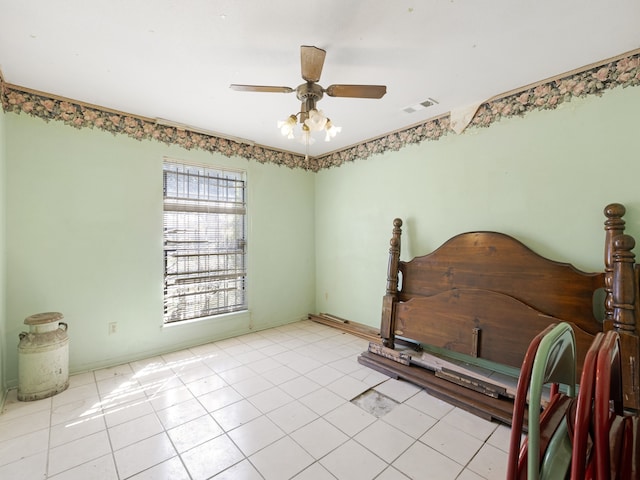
point(593, 81)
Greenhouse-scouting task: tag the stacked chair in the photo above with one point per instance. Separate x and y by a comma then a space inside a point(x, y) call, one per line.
point(583, 435)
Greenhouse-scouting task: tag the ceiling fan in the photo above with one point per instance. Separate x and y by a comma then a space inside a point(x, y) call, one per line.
point(312, 61)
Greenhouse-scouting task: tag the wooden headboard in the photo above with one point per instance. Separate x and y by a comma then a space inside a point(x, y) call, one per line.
point(486, 295)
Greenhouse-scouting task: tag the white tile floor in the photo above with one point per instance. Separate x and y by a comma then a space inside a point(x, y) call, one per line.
point(270, 405)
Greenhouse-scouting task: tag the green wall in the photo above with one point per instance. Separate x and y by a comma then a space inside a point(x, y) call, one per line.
point(3, 303)
point(84, 220)
point(544, 178)
point(84, 237)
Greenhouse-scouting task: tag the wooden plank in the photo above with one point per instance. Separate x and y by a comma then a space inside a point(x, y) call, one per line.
point(473, 383)
point(472, 377)
point(391, 354)
point(498, 409)
point(358, 329)
point(354, 328)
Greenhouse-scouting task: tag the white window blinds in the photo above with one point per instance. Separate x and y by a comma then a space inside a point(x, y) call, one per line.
point(204, 242)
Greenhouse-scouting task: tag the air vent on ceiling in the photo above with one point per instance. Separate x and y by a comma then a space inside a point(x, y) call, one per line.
point(420, 106)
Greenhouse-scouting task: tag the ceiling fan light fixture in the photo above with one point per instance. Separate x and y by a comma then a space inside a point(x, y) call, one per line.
point(306, 138)
point(332, 130)
point(286, 126)
point(316, 121)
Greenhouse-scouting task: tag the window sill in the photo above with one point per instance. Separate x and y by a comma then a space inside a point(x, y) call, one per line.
point(221, 317)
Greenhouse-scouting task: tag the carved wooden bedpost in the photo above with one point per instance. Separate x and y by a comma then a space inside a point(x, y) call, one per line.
point(624, 303)
point(613, 226)
point(391, 297)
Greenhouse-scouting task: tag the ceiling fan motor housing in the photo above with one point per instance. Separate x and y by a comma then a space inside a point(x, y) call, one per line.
point(308, 93)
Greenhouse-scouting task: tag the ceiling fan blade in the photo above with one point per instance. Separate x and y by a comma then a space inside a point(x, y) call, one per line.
point(356, 91)
point(312, 61)
point(260, 88)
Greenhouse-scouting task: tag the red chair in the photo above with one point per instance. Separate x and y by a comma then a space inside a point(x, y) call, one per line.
point(615, 434)
point(581, 453)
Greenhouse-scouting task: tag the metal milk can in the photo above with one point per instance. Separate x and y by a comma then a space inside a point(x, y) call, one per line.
point(43, 357)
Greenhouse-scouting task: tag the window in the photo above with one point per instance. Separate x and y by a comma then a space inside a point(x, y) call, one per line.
point(204, 242)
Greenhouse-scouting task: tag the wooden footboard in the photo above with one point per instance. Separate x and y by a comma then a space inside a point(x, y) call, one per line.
point(486, 295)
point(473, 322)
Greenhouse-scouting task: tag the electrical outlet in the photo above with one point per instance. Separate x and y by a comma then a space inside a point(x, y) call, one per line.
point(113, 327)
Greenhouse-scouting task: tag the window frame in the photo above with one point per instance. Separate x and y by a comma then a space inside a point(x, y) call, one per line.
point(220, 216)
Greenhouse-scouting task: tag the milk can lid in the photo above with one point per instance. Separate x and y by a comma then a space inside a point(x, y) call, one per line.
point(42, 318)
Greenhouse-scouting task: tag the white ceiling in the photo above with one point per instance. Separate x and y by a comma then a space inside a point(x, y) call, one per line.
point(175, 59)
